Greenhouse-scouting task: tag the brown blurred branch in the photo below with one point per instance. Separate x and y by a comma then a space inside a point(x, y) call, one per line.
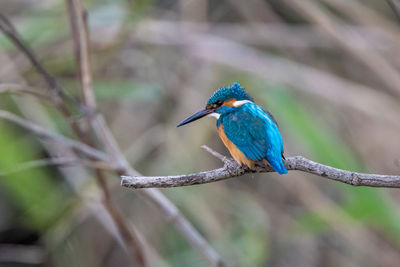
point(232, 169)
point(80, 34)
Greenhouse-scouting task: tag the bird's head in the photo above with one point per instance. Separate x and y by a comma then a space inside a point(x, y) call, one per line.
point(233, 96)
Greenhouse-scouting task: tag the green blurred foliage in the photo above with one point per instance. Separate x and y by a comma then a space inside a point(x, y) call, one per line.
point(33, 191)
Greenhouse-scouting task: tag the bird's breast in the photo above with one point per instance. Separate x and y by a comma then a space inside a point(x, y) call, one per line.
point(235, 152)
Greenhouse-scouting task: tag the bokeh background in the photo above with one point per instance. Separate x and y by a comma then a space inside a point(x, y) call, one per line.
point(328, 70)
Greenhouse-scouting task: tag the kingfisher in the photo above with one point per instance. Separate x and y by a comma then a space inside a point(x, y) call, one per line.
point(249, 132)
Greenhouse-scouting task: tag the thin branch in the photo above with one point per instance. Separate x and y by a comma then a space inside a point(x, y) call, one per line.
point(39, 131)
point(232, 169)
point(80, 33)
point(215, 154)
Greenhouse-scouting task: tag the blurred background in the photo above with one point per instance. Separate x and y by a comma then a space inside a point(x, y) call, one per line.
point(328, 70)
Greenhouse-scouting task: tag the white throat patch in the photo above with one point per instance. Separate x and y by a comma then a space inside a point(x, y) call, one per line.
point(214, 114)
point(237, 104)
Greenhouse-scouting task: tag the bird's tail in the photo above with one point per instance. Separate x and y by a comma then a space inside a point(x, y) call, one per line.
point(277, 165)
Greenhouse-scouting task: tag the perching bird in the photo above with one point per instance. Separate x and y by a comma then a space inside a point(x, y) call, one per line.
point(249, 132)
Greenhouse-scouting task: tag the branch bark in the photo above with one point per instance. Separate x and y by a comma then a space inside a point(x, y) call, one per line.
point(232, 169)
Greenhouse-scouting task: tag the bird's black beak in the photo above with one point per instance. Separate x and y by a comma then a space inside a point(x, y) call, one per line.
point(196, 116)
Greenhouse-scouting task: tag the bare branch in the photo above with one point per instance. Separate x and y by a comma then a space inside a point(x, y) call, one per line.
point(232, 169)
point(38, 130)
point(215, 153)
point(80, 33)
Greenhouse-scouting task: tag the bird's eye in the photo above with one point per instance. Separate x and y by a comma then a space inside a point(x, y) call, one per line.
point(219, 103)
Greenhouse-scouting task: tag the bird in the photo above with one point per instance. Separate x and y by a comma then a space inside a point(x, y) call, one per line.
point(248, 131)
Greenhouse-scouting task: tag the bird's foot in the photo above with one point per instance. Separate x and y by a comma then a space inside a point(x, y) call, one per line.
point(248, 169)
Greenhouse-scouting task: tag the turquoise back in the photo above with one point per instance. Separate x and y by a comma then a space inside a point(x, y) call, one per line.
point(254, 132)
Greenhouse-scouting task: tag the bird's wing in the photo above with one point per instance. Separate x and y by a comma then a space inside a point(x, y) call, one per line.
point(277, 125)
point(253, 131)
point(270, 115)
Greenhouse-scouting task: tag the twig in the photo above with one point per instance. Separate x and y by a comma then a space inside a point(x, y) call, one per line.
point(232, 169)
point(39, 131)
point(215, 154)
point(80, 33)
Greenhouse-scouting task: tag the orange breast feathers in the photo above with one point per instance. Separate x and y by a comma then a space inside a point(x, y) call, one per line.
point(235, 152)
point(229, 103)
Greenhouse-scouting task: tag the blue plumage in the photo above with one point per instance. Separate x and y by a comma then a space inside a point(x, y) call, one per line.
point(249, 132)
point(254, 132)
